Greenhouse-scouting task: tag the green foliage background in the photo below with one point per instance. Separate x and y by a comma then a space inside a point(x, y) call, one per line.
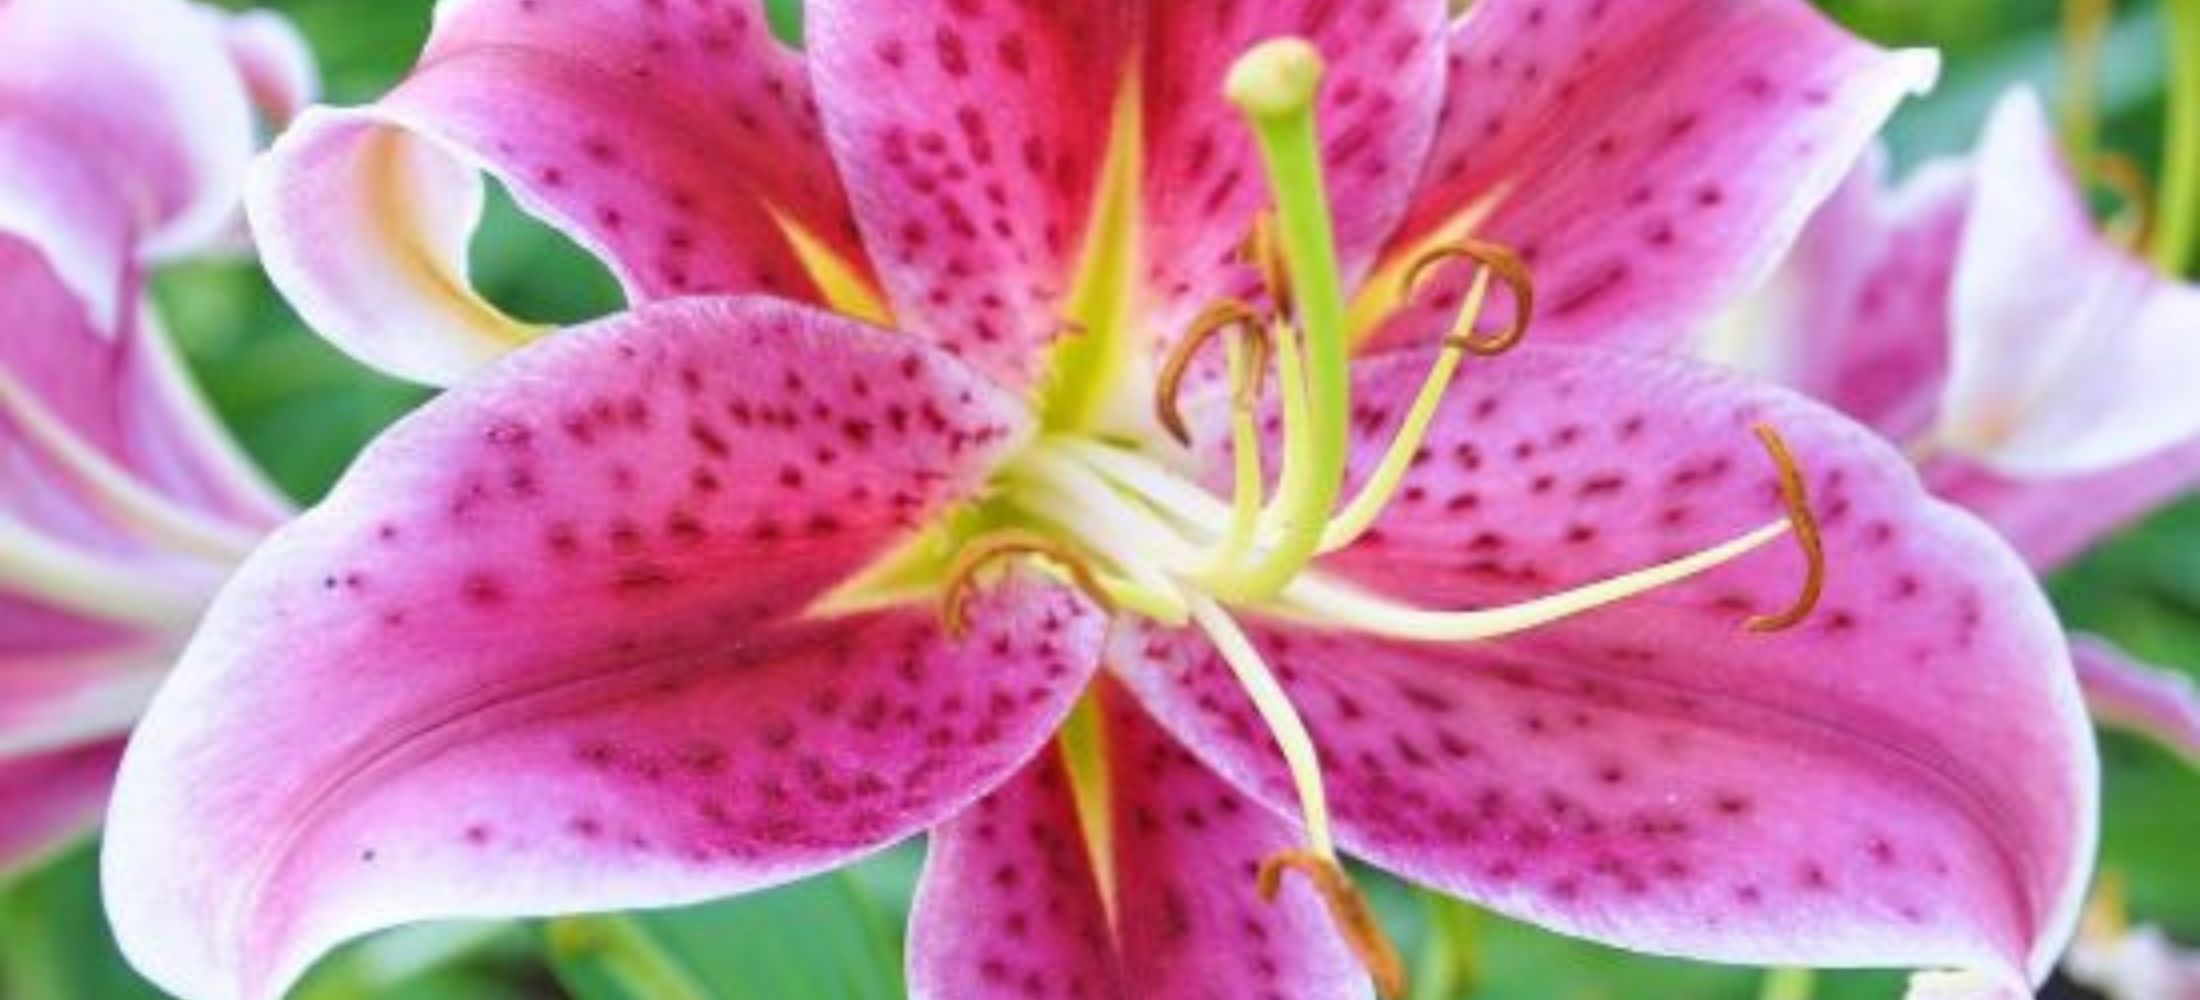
point(303, 411)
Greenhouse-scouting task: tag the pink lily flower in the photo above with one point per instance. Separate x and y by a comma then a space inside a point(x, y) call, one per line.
point(709, 595)
point(2036, 370)
point(124, 132)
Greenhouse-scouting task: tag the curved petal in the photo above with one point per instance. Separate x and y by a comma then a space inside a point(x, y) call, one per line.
point(2157, 702)
point(52, 799)
point(119, 394)
point(1858, 315)
point(2052, 519)
point(1011, 903)
point(1852, 791)
point(364, 215)
point(972, 137)
point(546, 648)
point(1730, 122)
point(123, 131)
point(275, 61)
point(1203, 182)
point(51, 701)
point(2069, 355)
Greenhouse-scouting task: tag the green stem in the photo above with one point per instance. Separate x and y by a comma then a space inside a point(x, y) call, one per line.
point(2178, 236)
point(625, 954)
point(1789, 984)
point(2085, 27)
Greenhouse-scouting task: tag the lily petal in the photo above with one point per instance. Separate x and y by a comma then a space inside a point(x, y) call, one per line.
point(52, 799)
point(151, 101)
point(972, 139)
point(671, 140)
point(2157, 702)
point(2069, 354)
point(276, 62)
point(1731, 121)
point(55, 701)
point(121, 395)
point(1011, 903)
point(1858, 316)
point(1649, 774)
point(2053, 519)
point(546, 648)
point(1203, 182)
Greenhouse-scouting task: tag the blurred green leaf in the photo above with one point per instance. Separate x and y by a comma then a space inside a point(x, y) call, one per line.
point(820, 937)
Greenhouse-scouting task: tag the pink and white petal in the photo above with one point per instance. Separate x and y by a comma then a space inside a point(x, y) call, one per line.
point(1649, 774)
point(2157, 702)
point(716, 70)
point(1857, 317)
point(1730, 121)
point(1187, 848)
point(972, 139)
point(52, 799)
point(120, 393)
point(54, 701)
point(2053, 519)
point(546, 648)
point(143, 89)
point(275, 61)
point(2068, 351)
point(2137, 963)
point(364, 215)
point(1203, 182)
point(1010, 905)
point(1962, 986)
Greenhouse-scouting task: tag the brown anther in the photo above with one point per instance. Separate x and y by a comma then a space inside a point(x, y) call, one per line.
point(1215, 320)
point(1502, 264)
point(1261, 250)
point(963, 572)
point(1796, 495)
point(1347, 909)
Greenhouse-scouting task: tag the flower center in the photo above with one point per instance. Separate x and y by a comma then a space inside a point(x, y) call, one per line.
point(1123, 521)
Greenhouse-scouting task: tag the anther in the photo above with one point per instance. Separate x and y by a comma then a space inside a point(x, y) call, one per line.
point(1795, 494)
point(963, 572)
point(1224, 316)
point(1355, 920)
point(1499, 262)
point(2134, 221)
point(1262, 252)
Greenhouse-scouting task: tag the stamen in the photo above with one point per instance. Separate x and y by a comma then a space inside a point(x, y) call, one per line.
point(962, 574)
point(1493, 260)
point(1229, 314)
point(2133, 223)
point(1277, 713)
point(1796, 495)
point(1383, 483)
point(1261, 251)
point(1348, 909)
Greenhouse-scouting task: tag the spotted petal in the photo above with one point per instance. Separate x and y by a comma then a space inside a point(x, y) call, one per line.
point(1649, 159)
point(123, 131)
point(546, 648)
point(972, 138)
point(2069, 354)
point(1858, 315)
point(1010, 904)
point(677, 142)
point(1648, 774)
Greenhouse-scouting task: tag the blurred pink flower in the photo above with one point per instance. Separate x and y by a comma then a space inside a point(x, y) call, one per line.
point(125, 130)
